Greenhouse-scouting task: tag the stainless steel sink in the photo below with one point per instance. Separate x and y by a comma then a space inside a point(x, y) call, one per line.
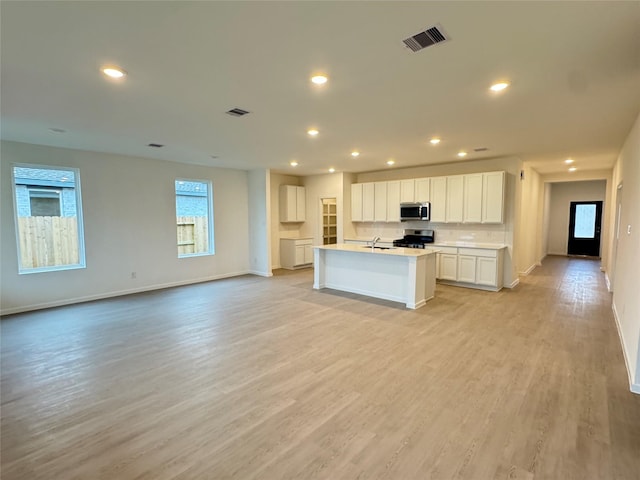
point(378, 248)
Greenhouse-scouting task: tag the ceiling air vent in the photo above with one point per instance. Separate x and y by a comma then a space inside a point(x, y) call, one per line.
point(430, 36)
point(237, 112)
point(480, 149)
point(155, 145)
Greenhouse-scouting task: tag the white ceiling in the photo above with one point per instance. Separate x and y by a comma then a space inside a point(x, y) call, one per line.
point(574, 69)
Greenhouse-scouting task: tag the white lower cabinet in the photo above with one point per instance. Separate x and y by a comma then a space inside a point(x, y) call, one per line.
point(470, 267)
point(487, 271)
point(447, 263)
point(296, 253)
point(467, 268)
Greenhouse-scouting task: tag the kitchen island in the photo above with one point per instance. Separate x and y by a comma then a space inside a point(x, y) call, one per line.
point(406, 275)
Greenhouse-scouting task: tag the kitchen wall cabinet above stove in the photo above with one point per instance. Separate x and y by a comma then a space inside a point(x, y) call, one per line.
point(470, 198)
point(292, 203)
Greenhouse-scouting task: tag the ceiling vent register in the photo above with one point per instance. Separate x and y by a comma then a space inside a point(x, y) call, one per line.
point(430, 36)
point(237, 112)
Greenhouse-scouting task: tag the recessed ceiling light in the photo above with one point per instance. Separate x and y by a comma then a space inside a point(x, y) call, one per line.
point(331, 170)
point(355, 153)
point(391, 162)
point(568, 161)
point(572, 169)
point(293, 163)
point(313, 132)
point(462, 154)
point(319, 79)
point(113, 71)
point(434, 141)
point(498, 87)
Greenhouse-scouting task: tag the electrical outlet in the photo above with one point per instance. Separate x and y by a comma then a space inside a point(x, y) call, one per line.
point(134, 275)
point(628, 229)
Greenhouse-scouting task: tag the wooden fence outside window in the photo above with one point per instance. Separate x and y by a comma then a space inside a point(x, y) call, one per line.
point(48, 241)
point(193, 235)
point(53, 241)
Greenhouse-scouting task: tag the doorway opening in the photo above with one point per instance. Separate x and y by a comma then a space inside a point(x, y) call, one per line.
point(584, 228)
point(329, 221)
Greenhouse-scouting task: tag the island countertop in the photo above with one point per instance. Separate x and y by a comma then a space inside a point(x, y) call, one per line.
point(394, 251)
point(406, 275)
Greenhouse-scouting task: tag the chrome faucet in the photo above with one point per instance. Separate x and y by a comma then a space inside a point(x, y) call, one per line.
point(375, 240)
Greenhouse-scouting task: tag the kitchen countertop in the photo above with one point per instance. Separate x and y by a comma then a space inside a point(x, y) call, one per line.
point(368, 239)
point(394, 251)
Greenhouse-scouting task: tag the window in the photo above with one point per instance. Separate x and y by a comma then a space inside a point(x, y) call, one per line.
point(194, 218)
point(48, 217)
point(44, 203)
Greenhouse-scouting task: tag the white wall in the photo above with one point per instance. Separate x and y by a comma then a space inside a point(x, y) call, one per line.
point(260, 222)
point(280, 230)
point(531, 220)
point(626, 301)
point(562, 194)
point(129, 224)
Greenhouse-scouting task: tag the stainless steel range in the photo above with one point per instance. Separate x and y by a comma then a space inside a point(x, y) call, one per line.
point(415, 239)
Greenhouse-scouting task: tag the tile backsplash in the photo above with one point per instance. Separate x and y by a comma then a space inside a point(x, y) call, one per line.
point(443, 232)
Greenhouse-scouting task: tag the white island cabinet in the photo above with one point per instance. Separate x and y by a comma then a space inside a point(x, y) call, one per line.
point(406, 275)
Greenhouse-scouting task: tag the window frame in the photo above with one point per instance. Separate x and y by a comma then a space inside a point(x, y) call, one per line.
point(210, 223)
point(82, 263)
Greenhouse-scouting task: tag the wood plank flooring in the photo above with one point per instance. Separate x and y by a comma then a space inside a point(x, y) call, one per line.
point(255, 378)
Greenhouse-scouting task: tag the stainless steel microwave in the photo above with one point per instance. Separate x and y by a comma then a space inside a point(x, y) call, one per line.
point(415, 211)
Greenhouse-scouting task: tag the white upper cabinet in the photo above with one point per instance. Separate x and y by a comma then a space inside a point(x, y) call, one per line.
point(368, 195)
point(493, 197)
point(472, 198)
point(393, 201)
point(438, 199)
point(423, 193)
point(301, 204)
point(455, 199)
point(380, 201)
point(292, 203)
point(356, 202)
point(407, 190)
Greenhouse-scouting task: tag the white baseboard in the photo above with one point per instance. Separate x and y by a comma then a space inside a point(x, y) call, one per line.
point(261, 274)
point(634, 387)
point(513, 284)
point(118, 293)
point(528, 270)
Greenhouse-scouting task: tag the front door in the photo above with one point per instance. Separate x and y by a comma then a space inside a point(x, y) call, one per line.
point(584, 228)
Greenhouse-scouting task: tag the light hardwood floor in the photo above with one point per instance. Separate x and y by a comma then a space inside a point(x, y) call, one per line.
point(255, 378)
